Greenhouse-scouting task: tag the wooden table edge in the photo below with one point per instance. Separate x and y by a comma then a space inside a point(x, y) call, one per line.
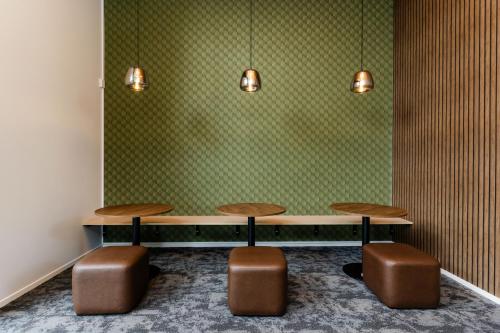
point(405, 213)
point(280, 212)
point(168, 208)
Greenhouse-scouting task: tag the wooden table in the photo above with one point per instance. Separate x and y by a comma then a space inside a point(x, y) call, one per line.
point(214, 220)
point(135, 212)
point(251, 210)
point(366, 211)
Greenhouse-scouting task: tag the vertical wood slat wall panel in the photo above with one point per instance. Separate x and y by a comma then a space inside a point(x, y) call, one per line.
point(496, 225)
point(446, 147)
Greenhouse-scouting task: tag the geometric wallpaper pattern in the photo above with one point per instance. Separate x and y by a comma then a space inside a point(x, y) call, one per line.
point(194, 140)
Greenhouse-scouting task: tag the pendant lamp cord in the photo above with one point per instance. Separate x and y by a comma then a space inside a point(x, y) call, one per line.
point(137, 31)
point(362, 27)
point(251, 33)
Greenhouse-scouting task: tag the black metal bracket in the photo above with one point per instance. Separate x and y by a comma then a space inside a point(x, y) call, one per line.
point(237, 230)
point(197, 230)
point(316, 230)
point(276, 230)
point(354, 230)
point(157, 230)
point(104, 230)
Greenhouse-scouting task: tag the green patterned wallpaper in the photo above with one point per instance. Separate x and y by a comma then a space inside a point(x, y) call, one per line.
point(196, 141)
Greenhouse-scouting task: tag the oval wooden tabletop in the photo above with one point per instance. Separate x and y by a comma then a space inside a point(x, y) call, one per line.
point(251, 209)
point(368, 209)
point(134, 210)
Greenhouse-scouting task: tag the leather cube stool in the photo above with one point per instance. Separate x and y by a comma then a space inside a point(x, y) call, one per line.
point(402, 276)
point(110, 280)
point(257, 281)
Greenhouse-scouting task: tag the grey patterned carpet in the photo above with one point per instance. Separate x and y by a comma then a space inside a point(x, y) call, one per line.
point(190, 296)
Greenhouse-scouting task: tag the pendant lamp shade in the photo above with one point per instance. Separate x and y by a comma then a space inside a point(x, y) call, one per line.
point(362, 82)
point(363, 79)
point(136, 79)
point(250, 80)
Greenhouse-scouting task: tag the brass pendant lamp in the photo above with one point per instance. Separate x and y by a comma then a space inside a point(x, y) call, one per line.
point(250, 80)
point(363, 80)
point(136, 79)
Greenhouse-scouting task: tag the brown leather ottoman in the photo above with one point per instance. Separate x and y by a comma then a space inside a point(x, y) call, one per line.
point(110, 280)
point(257, 281)
point(402, 276)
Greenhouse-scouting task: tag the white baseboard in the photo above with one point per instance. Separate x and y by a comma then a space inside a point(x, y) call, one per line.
point(470, 286)
point(41, 280)
point(237, 244)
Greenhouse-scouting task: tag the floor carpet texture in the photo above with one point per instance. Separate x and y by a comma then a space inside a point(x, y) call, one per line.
point(189, 295)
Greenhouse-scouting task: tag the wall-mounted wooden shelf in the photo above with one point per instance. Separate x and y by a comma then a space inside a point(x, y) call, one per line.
point(237, 220)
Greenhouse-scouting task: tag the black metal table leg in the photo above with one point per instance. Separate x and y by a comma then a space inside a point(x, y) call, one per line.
point(251, 231)
point(136, 230)
point(366, 229)
point(136, 241)
point(355, 270)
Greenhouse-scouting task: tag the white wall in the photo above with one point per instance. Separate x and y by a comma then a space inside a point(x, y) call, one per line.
point(49, 136)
